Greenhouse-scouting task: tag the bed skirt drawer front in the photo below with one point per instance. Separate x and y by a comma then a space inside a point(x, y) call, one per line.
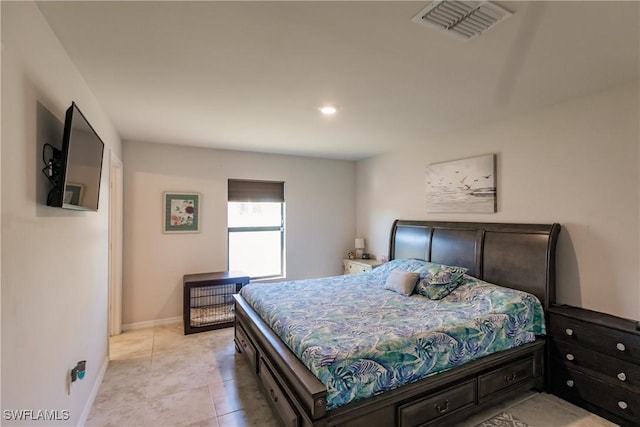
point(277, 398)
point(246, 346)
point(576, 386)
point(503, 378)
point(432, 407)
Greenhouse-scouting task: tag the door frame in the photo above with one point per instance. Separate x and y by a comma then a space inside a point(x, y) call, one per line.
point(116, 191)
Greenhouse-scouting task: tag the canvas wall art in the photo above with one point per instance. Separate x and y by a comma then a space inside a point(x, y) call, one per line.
point(181, 213)
point(462, 186)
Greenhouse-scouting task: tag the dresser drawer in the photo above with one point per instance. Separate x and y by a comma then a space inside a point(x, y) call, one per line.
point(616, 371)
point(605, 340)
point(276, 396)
point(355, 266)
point(432, 407)
point(352, 268)
point(576, 386)
point(246, 346)
point(500, 379)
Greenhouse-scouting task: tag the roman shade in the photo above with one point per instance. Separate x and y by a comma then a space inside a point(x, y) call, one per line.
point(241, 190)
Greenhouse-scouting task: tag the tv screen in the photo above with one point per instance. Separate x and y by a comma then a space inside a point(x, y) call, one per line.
point(80, 164)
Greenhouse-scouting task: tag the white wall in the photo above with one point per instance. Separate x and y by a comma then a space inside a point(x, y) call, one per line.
point(574, 163)
point(55, 268)
point(320, 218)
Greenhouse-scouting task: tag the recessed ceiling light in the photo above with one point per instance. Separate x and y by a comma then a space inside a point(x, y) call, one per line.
point(328, 110)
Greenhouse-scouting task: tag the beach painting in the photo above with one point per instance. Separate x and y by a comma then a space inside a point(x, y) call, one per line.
point(462, 186)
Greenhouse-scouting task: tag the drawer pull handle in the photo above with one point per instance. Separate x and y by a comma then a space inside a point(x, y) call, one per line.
point(273, 395)
point(570, 356)
point(510, 379)
point(569, 331)
point(570, 383)
point(622, 376)
point(622, 404)
point(621, 346)
point(442, 408)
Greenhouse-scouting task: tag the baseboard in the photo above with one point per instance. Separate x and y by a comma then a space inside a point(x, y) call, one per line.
point(93, 394)
point(151, 323)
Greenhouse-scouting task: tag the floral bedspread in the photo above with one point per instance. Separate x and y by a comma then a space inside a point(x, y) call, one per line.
point(361, 340)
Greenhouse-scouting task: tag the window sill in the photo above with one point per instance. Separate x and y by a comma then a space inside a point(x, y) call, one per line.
point(271, 279)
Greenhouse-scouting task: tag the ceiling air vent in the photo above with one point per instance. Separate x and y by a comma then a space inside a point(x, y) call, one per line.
point(463, 19)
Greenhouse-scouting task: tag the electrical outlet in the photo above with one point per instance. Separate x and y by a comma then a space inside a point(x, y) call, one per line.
point(82, 368)
point(78, 372)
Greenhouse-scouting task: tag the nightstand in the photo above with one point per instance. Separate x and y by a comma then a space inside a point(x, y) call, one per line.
point(353, 266)
point(595, 362)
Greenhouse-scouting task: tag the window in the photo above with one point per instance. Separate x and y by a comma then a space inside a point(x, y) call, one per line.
point(255, 224)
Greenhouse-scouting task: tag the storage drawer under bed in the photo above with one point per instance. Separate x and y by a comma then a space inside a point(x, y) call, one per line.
point(505, 377)
point(276, 396)
point(244, 344)
point(434, 406)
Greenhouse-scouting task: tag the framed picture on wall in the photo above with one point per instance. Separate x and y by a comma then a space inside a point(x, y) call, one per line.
point(181, 212)
point(73, 194)
point(462, 186)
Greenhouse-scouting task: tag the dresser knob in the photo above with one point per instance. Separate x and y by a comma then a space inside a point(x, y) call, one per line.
point(570, 356)
point(569, 331)
point(621, 346)
point(621, 376)
point(570, 383)
point(622, 404)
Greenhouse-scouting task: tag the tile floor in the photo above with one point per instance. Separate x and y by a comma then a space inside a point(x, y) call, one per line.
point(160, 377)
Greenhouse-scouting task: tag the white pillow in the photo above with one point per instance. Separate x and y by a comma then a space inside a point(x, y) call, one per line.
point(402, 282)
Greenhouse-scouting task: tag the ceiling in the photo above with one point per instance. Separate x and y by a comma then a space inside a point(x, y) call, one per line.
point(251, 75)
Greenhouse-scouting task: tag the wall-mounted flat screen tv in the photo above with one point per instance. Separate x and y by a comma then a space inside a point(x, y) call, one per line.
point(77, 167)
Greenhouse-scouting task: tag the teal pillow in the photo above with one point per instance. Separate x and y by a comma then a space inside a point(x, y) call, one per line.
point(438, 280)
point(436, 292)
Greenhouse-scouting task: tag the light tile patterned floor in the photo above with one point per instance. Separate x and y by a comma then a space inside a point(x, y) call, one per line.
point(160, 377)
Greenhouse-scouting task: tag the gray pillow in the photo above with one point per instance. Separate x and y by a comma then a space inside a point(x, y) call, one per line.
point(402, 282)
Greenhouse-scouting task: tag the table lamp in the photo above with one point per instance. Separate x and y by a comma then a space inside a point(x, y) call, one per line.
point(359, 247)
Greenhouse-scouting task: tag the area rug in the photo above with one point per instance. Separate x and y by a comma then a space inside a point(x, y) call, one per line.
point(503, 420)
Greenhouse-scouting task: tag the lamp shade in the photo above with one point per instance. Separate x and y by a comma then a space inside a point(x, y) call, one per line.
point(359, 243)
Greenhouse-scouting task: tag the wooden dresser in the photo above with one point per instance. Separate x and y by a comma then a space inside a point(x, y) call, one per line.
point(595, 362)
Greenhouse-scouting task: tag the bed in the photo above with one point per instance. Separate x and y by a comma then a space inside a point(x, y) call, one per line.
point(516, 256)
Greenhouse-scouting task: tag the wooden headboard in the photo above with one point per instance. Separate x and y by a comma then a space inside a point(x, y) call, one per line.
point(518, 256)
